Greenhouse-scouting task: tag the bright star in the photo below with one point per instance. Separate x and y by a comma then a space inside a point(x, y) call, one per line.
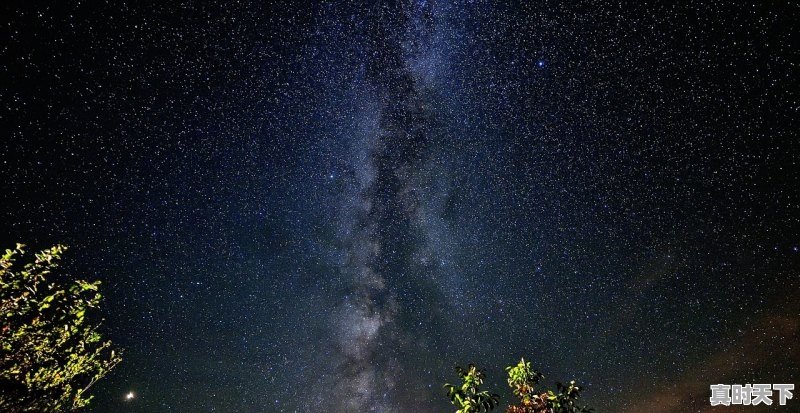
point(130, 396)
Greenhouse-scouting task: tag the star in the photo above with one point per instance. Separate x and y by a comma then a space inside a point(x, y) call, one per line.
point(256, 183)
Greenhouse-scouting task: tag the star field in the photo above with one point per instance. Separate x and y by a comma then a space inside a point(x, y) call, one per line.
point(300, 207)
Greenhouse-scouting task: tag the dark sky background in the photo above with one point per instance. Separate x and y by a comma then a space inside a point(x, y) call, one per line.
point(325, 207)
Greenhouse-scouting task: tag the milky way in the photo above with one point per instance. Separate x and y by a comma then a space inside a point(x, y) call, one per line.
point(381, 226)
point(325, 207)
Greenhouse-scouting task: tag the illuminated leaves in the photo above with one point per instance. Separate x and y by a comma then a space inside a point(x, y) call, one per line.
point(522, 379)
point(468, 397)
point(50, 350)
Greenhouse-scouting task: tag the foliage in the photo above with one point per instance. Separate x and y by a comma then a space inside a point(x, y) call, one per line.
point(50, 351)
point(522, 379)
point(566, 400)
point(468, 397)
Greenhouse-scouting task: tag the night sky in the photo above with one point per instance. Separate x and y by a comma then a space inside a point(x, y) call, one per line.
point(325, 207)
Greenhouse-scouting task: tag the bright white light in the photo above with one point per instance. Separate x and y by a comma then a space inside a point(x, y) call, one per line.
point(129, 396)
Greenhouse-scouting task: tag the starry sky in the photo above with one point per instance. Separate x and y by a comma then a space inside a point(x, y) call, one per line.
point(325, 206)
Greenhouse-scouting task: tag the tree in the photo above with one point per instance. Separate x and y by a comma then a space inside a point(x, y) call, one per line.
point(51, 353)
point(523, 379)
point(468, 397)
